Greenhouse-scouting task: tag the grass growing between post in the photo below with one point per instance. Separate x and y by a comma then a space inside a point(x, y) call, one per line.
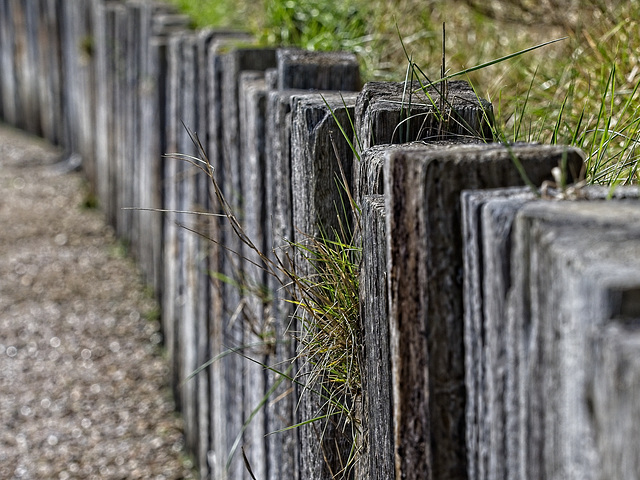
point(326, 305)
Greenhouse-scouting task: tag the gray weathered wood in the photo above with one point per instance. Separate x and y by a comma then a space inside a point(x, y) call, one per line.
point(113, 16)
point(187, 239)
point(390, 112)
point(202, 260)
point(487, 220)
point(504, 398)
point(6, 73)
point(133, 64)
point(121, 144)
point(152, 145)
point(230, 175)
point(24, 63)
point(558, 255)
point(77, 92)
point(615, 387)
point(318, 202)
point(49, 80)
point(222, 425)
point(368, 172)
point(317, 199)
point(279, 231)
point(102, 21)
point(378, 458)
point(257, 328)
point(425, 291)
point(170, 203)
point(300, 69)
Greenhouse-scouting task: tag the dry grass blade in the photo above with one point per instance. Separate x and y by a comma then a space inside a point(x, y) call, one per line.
point(327, 306)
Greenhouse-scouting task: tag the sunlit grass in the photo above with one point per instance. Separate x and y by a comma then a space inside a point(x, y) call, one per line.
point(566, 87)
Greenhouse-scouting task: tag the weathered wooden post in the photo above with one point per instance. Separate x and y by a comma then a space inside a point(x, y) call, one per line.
point(4, 55)
point(219, 371)
point(571, 270)
point(151, 143)
point(615, 379)
point(320, 208)
point(397, 112)
point(388, 114)
point(487, 223)
point(278, 231)
point(77, 92)
point(257, 322)
point(50, 81)
point(186, 264)
point(304, 70)
point(103, 20)
point(23, 16)
point(378, 456)
point(422, 189)
point(295, 70)
point(173, 170)
point(229, 327)
point(114, 31)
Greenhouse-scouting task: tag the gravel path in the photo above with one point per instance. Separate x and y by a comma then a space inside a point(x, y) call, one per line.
point(83, 385)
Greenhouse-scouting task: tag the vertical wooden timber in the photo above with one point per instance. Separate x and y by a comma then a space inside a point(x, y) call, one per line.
point(303, 70)
point(318, 202)
point(230, 176)
point(487, 224)
point(49, 59)
point(396, 112)
point(257, 325)
point(378, 456)
point(425, 290)
point(172, 173)
point(570, 262)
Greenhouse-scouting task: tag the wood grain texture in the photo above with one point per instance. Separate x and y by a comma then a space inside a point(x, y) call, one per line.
point(392, 112)
point(378, 458)
point(425, 275)
point(318, 201)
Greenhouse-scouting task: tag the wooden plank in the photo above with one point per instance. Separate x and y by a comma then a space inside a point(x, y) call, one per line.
point(257, 329)
point(202, 225)
point(301, 70)
point(279, 230)
point(494, 347)
point(26, 115)
point(7, 72)
point(170, 312)
point(392, 112)
point(317, 203)
point(120, 97)
point(487, 221)
point(577, 251)
point(378, 458)
point(425, 291)
point(219, 431)
point(187, 260)
point(230, 175)
point(49, 59)
point(151, 144)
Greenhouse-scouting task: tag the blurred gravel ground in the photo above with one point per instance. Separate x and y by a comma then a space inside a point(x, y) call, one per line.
point(83, 385)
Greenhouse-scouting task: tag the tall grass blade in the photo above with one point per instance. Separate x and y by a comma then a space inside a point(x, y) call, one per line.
point(498, 60)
